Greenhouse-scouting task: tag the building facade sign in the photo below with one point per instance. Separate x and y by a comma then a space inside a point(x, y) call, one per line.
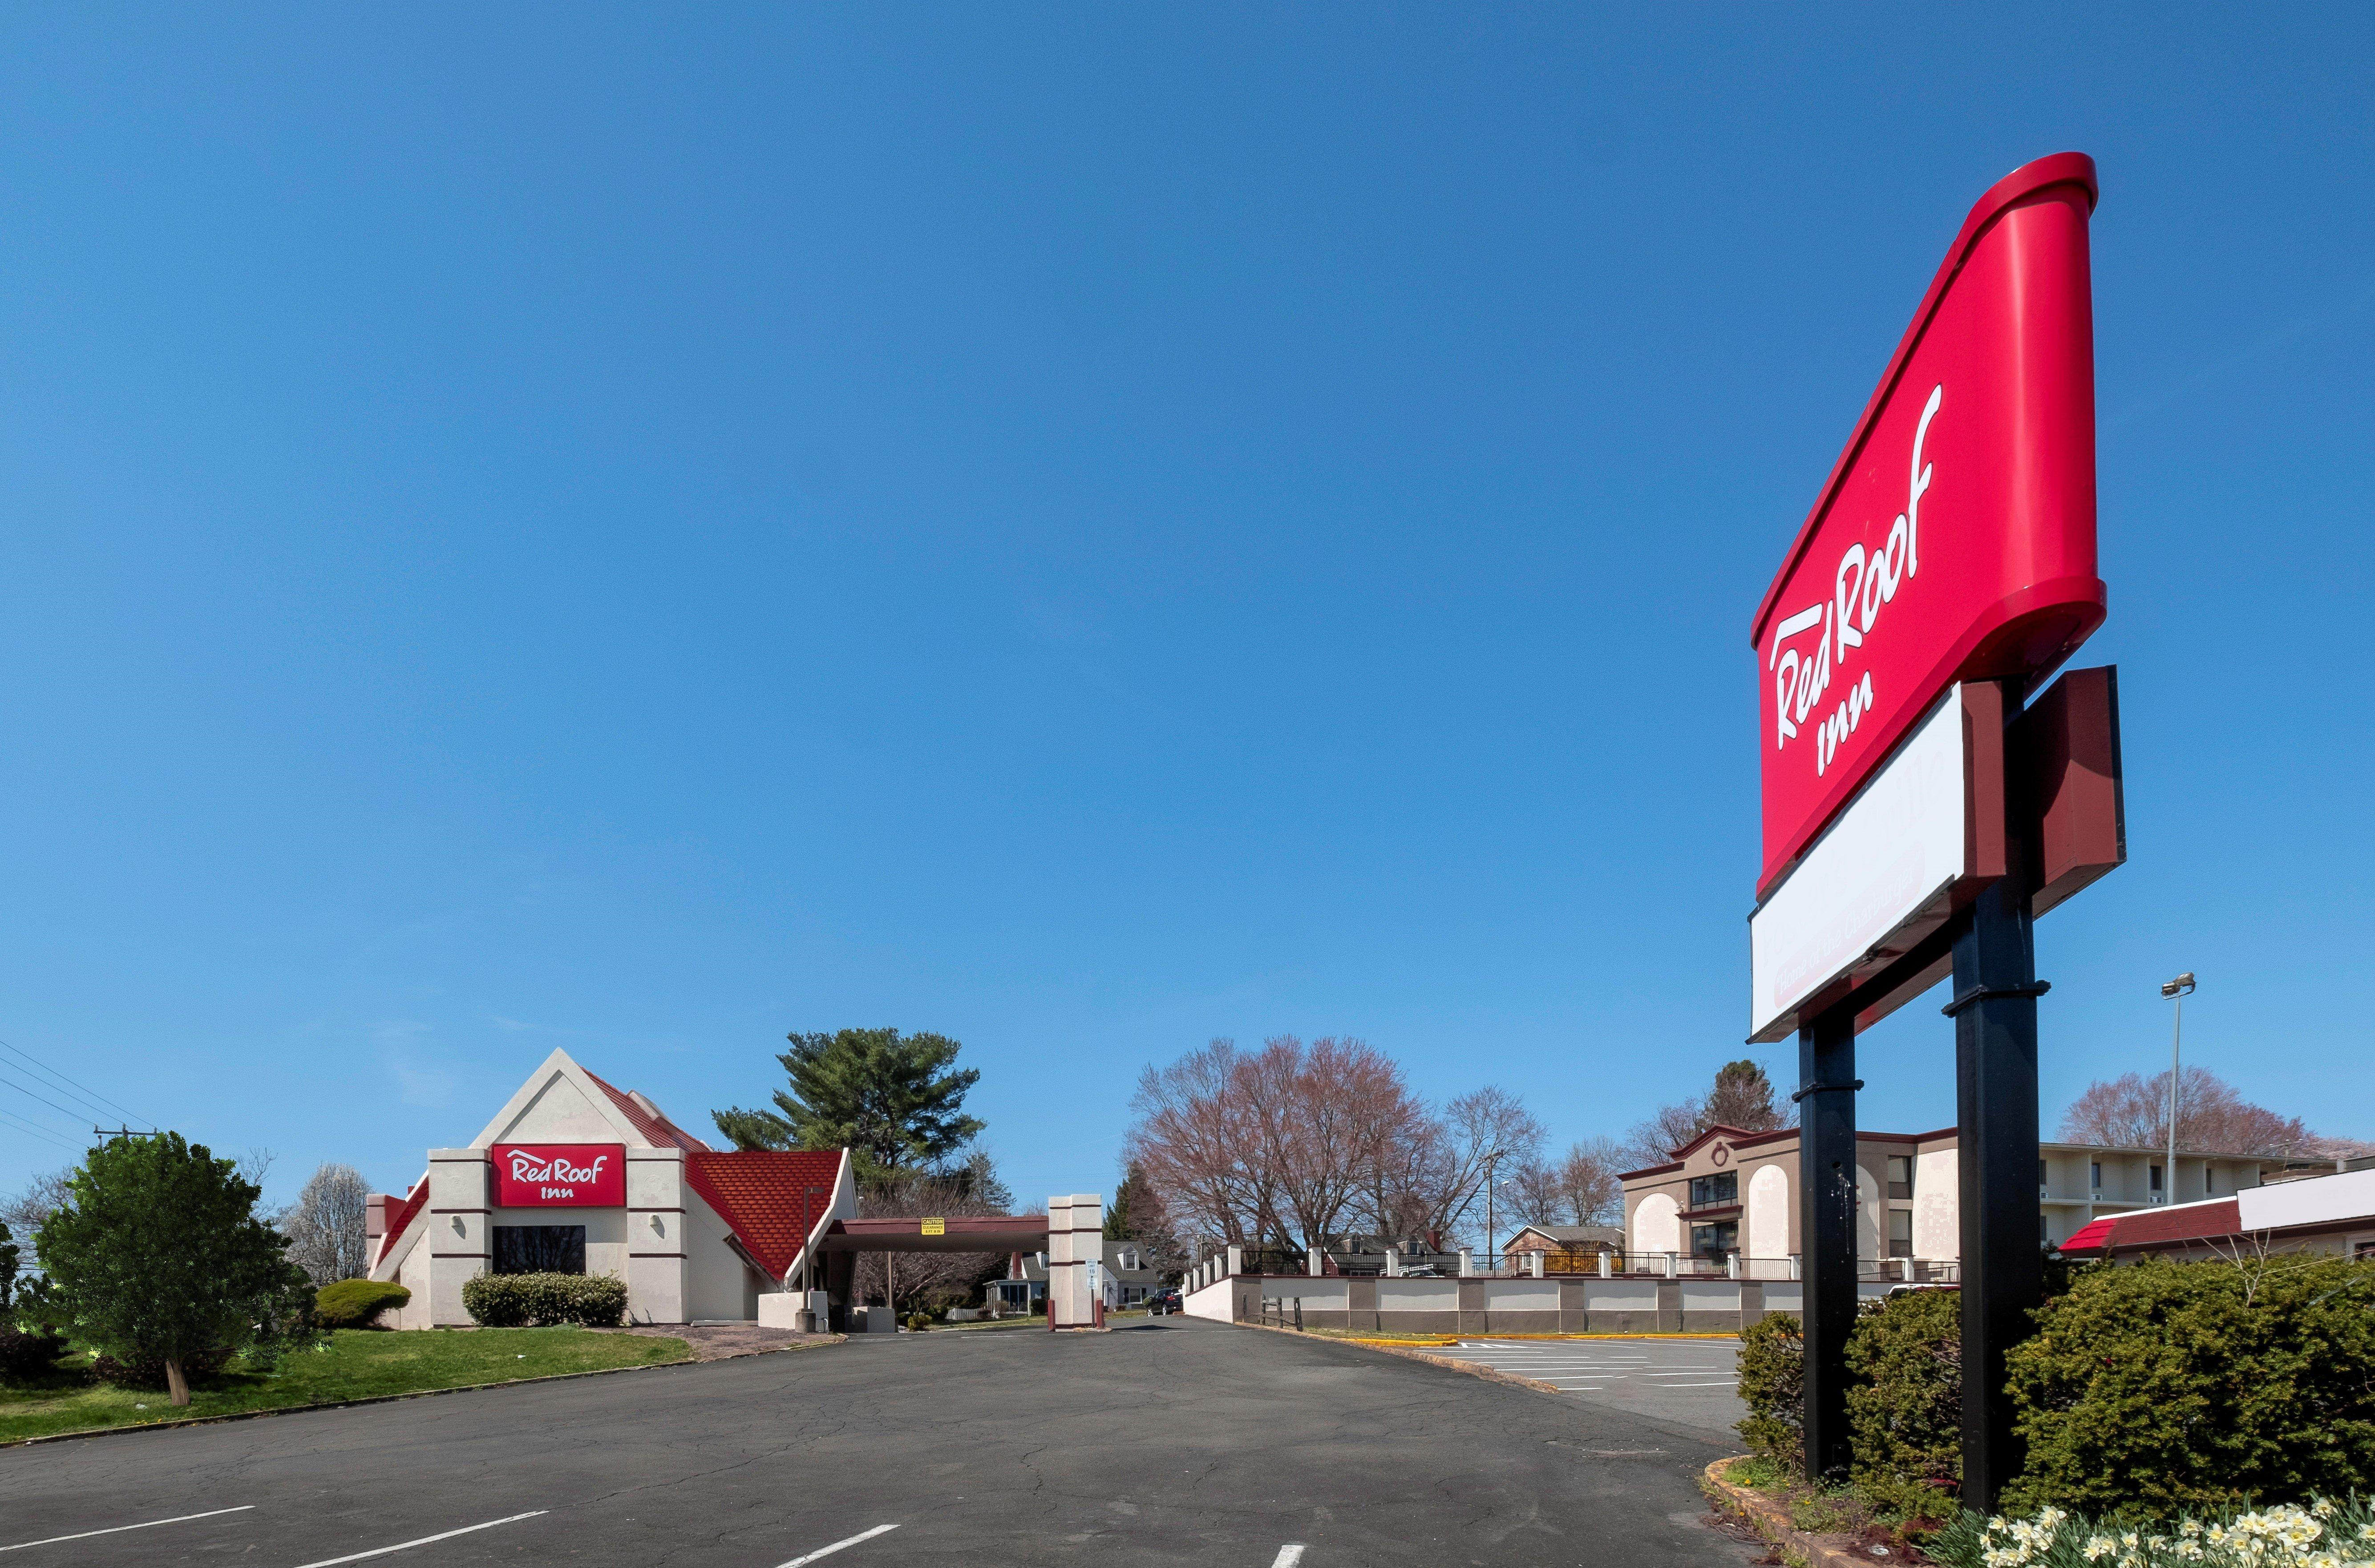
point(559, 1175)
point(1955, 537)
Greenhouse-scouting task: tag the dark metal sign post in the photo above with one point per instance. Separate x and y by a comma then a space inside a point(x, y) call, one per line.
point(1994, 1009)
point(1827, 1198)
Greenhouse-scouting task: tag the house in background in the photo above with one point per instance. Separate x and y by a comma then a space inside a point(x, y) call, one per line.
point(1566, 1249)
point(1124, 1280)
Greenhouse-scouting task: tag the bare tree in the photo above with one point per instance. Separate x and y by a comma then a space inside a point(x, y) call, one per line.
point(1486, 1128)
point(1196, 1137)
point(2132, 1112)
point(909, 1282)
point(1590, 1192)
point(324, 1226)
point(43, 1197)
point(1653, 1142)
point(1531, 1195)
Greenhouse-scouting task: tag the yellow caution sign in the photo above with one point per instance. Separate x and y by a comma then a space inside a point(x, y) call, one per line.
point(935, 1227)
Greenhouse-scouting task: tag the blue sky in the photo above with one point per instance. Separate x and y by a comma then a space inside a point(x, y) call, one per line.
point(1089, 531)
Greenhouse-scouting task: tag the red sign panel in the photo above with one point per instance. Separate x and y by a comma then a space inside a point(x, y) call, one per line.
point(543, 1175)
point(1956, 539)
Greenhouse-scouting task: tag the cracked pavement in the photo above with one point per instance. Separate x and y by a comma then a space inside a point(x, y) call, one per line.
point(1168, 1442)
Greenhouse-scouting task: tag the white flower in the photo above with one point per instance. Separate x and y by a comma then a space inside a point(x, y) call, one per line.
point(2323, 1508)
point(2099, 1547)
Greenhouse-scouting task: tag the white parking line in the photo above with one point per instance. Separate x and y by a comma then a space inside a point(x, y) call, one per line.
point(424, 1541)
point(118, 1529)
point(829, 1550)
point(1288, 1555)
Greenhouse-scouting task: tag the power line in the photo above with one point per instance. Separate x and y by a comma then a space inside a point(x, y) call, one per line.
point(42, 1098)
point(37, 1131)
point(52, 1072)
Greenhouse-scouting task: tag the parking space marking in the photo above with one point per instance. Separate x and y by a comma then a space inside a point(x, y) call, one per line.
point(829, 1550)
point(119, 1530)
point(424, 1541)
point(1595, 1369)
point(1288, 1555)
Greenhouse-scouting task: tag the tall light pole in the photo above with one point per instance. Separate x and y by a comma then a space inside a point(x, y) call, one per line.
point(1491, 1161)
point(2176, 991)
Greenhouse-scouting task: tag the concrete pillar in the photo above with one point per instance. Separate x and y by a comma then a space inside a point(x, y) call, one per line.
point(1671, 1265)
point(1535, 1265)
point(1605, 1266)
point(1075, 1239)
point(1315, 1262)
point(656, 1236)
point(1236, 1261)
point(460, 1241)
point(1795, 1264)
point(1467, 1263)
point(1731, 1264)
point(1393, 1261)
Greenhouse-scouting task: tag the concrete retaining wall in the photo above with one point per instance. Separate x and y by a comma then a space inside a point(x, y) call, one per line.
point(1634, 1305)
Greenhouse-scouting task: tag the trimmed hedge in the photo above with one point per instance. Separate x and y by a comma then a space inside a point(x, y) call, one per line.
point(1905, 1406)
point(1773, 1385)
point(357, 1303)
point(2172, 1386)
point(537, 1300)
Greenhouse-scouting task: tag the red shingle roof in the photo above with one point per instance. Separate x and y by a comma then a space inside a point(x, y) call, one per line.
point(657, 1130)
point(2091, 1236)
point(2187, 1222)
point(758, 1193)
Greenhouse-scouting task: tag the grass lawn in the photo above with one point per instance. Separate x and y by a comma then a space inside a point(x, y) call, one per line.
point(357, 1364)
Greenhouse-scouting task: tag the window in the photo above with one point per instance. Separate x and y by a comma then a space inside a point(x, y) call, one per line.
point(1900, 1177)
point(1714, 1241)
point(2206, 1181)
point(539, 1249)
point(2155, 1182)
point(1722, 1187)
point(1900, 1232)
point(2362, 1249)
point(2094, 1174)
point(2041, 1177)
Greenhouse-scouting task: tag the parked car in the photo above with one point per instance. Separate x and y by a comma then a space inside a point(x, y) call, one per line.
point(1162, 1304)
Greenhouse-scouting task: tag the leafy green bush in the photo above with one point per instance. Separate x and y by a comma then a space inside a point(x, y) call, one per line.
point(2171, 1385)
point(356, 1303)
point(1773, 1385)
point(537, 1300)
point(29, 1344)
point(2324, 1532)
point(1905, 1402)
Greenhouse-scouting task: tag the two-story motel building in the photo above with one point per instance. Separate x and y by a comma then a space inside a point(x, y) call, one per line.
point(1730, 1192)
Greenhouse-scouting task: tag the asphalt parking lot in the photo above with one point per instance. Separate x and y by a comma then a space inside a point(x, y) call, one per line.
point(1168, 1442)
point(1690, 1383)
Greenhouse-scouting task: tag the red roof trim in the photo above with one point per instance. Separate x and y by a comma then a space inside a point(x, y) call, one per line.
point(2089, 1237)
point(2056, 169)
point(405, 1214)
point(2185, 1223)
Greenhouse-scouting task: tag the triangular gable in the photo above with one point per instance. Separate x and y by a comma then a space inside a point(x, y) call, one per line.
point(1717, 1131)
point(401, 1232)
point(561, 1102)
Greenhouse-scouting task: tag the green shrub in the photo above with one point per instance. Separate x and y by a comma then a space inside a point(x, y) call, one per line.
point(2169, 1385)
point(536, 1301)
point(357, 1303)
point(1773, 1385)
point(1905, 1402)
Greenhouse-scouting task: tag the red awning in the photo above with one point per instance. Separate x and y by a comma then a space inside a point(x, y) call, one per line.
point(2094, 1236)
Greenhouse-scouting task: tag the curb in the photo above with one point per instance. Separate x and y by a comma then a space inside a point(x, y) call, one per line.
point(129, 1428)
point(1454, 1339)
point(1771, 1520)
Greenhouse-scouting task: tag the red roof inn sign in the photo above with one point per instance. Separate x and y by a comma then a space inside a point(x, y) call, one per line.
point(1923, 801)
point(565, 1176)
point(1954, 542)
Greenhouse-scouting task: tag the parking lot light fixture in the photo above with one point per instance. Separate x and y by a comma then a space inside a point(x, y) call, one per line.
point(2176, 990)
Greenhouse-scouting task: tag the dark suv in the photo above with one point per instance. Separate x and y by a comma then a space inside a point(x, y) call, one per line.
point(1162, 1303)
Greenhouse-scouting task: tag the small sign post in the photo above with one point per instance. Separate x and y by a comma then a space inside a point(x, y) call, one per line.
point(1917, 817)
